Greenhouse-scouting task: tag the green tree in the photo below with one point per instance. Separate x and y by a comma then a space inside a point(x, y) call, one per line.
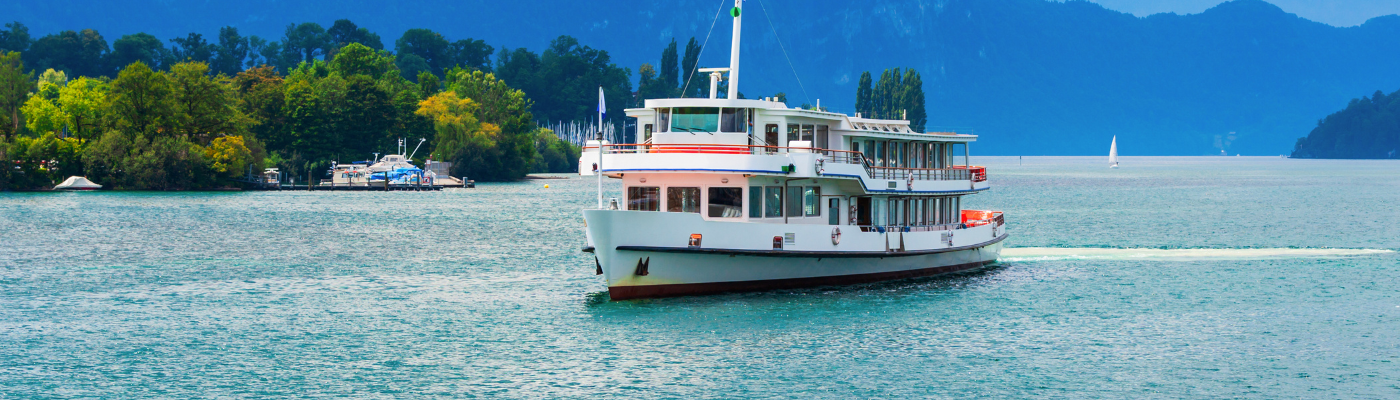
point(343, 33)
point(428, 84)
point(15, 37)
point(15, 85)
point(469, 53)
point(694, 83)
point(191, 48)
point(649, 86)
point(137, 47)
point(357, 59)
point(914, 102)
point(426, 44)
point(863, 96)
point(42, 116)
point(304, 43)
point(50, 82)
point(500, 105)
point(555, 156)
point(140, 101)
point(76, 53)
point(304, 118)
point(204, 108)
point(261, 98)
point(411, 66)
point(230, 53)
point(263, 52)
point(670, 69)
point(83, 102)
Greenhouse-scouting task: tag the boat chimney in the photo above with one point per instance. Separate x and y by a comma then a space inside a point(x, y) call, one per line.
point(734, 50)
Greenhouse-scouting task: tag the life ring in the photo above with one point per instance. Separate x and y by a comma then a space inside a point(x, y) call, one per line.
point(910, 182)
point(835, 236)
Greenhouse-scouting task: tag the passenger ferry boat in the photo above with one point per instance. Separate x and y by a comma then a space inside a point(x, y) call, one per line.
point(728, 194)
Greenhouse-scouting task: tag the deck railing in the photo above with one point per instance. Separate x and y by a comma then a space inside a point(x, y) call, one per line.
point(956, 173)
point(910, 228)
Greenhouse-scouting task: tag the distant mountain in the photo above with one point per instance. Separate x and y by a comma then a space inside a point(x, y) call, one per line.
point(1367, 128)
point(1031, 76)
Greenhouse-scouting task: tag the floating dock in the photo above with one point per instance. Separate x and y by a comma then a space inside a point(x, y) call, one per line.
point(376, 188)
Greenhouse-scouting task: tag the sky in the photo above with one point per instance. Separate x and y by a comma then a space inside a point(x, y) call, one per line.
point(1332, 12)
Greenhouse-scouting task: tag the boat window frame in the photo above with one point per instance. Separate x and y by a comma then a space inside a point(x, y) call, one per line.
point(631, 199)
point(663, 119)
point(769, 200)
point(755, 206)
point(671, 207)
point(707, 127)
point(812, 201)
point(738, 206)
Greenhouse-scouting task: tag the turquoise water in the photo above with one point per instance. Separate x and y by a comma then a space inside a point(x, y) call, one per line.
point(483, 293)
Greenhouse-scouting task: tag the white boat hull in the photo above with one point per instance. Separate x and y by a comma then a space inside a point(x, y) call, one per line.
point(647, 254)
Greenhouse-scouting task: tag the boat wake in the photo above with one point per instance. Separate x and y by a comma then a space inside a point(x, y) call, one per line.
point(1061, 254)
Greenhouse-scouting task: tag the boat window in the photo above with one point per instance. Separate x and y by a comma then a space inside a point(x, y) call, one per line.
point(773, 202)
point(896, 212)
point(695, 119)
point(822, 138)
point(770, 135)
point(683, 199)
point(794, 201)
point(646, 132)
point(755, 201)
point(833, 211)
point(877, 215)
point(733, 120)
point(863, 211)
point(644, 198)
point(726, 202)
point(916, 212)
point(811, 201)
point(855, 146)
point(807, 132)
point(663, 119)
point(880, 153)
point(794, 133)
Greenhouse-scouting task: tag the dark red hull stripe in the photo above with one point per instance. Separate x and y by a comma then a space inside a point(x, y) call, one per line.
point(807, 254)
point(685, 289)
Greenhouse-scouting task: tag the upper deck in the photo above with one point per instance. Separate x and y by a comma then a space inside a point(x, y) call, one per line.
point(765, 137)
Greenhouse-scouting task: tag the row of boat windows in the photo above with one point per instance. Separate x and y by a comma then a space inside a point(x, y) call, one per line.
point(917, 211)
point(703, 119)
point(728, 202)
point(796, 202)
point(904, 154)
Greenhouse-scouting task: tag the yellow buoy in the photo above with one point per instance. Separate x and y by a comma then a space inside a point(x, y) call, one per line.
point(546, 186)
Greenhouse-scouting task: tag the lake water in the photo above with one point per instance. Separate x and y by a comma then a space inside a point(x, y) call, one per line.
point(1241, 292)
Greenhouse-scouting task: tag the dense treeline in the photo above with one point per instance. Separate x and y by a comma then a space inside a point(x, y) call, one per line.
point(196, 114)
point(1367, 128)
point(898, 95)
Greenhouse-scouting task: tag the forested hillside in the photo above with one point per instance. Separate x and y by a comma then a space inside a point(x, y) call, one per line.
point(1367, 128)
point(1031, 76)
point(200, 115)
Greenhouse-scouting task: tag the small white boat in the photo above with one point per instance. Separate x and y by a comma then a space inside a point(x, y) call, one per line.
point(1113, 153)
point(77, 183)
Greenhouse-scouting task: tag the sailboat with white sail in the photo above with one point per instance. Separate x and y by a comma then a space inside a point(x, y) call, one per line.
point(1113, 153)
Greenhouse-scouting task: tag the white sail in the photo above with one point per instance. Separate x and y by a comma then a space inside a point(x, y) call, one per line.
point(1113, 153)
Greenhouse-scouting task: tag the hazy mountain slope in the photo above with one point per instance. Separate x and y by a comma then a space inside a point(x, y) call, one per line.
point(1033, 77)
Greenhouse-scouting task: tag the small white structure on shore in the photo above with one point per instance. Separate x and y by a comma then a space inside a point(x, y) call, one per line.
point(77, 183)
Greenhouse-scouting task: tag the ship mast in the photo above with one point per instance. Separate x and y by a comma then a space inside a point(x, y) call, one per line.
point(736, 12)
